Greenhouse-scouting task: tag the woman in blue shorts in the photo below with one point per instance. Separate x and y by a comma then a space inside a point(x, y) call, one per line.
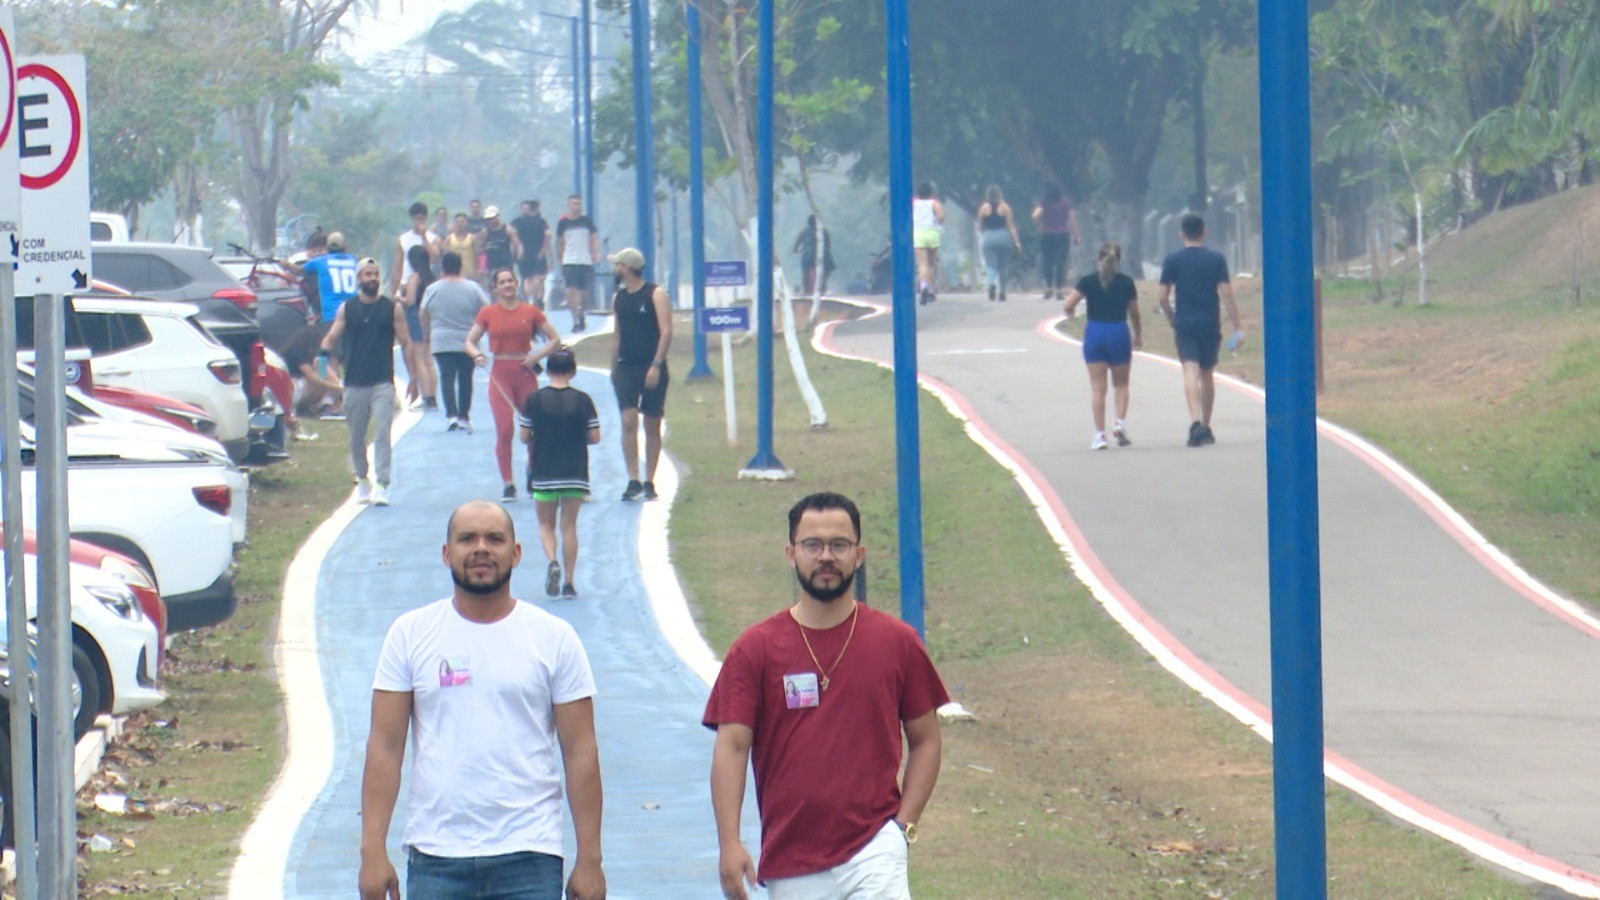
point(1108, 343)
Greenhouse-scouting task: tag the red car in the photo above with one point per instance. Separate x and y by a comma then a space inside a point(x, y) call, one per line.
point(184, 415)
point(136, 577)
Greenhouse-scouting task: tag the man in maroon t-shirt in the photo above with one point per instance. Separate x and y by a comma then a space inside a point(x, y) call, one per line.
point(818, 697)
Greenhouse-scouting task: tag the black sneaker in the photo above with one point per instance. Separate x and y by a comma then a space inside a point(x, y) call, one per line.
point(568, 592)
point(650, 491)
point(1196, 434)
point(509, 495)
point(634, 492)
point(430, 404)
point(552, 580)
point(991, 293)
point(1206, 437)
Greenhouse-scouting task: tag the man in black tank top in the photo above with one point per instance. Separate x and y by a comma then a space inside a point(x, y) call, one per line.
point(643, 315)
point(369, 327)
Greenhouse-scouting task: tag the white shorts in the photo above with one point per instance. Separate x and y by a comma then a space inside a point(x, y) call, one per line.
point(877, 872)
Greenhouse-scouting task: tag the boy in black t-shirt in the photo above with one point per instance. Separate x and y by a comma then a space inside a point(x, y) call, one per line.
point(559, 423)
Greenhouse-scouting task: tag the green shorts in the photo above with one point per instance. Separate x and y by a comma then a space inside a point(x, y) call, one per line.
point(925, 238)
point(559, 495)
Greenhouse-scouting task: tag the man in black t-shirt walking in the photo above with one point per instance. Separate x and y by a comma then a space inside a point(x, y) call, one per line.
point(1200, 276)
point(369, 326)
point(534, 232)
point(643, 315)
point(559, 423)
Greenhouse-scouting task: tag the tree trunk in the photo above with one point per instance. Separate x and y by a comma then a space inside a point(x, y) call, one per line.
point(1200, 200)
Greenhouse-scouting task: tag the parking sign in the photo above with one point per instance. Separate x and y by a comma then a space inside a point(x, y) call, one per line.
point(51, 136)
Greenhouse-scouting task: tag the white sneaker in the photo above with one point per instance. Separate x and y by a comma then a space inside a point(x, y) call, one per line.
point(1120, 433)
point(380, 496)
point(1099, 442)
point(363, 491)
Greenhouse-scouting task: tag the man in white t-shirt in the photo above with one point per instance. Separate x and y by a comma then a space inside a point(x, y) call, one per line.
point(490, 689)
point(417, 235)
point(578, 247)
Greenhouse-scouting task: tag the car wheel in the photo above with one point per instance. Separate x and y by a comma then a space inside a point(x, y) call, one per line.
point(86, 692)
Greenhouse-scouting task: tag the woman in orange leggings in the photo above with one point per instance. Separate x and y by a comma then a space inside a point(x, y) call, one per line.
point(511, 325)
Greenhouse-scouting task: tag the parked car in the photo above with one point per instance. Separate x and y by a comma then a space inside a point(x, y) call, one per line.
point(177, 413)
point(115, 646)
point(282, 307)
point(89, 416)
point(104, 226)
point(165, 507)
point(163, 348)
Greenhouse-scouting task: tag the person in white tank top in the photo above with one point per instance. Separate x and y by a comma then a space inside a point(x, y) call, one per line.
point(927, 225)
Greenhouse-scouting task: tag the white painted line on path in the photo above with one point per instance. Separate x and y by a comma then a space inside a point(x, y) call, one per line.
point(308, 751)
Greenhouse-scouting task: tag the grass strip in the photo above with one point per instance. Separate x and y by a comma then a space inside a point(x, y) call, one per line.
point(202, 761)
point(1091, 772)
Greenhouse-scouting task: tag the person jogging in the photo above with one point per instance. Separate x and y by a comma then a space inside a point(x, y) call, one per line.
point(1200, 277)
point(501, 246)
point(997, 238)
point(1108, 344)
point(559, 423)
point(449, 308)
point(927, 225)
point(511, 324)
point(1058, 232)
point(463, 243)
point(369, 328)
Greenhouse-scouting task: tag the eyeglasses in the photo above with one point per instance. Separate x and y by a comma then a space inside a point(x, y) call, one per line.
point(813, 547)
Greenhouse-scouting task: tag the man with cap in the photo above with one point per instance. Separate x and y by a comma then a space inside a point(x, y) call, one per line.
point(501, 247)
point(335, 271)
point(370, 327)
point(642, 312)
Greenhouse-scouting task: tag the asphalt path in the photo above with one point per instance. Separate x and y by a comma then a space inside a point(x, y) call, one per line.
point(659, 834)
point(1459, 694)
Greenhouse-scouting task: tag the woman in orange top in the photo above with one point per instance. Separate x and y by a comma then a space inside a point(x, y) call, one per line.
point(511, 325)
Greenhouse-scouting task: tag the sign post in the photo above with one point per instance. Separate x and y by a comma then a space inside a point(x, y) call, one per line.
point(53, 158)
point(725, 320)
point(20, 696)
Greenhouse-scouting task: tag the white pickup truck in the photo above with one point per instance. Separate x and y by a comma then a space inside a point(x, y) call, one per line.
point(166, 507)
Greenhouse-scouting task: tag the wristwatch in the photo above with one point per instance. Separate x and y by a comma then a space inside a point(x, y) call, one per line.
point(909, 829)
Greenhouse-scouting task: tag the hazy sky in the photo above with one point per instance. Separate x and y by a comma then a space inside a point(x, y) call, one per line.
point(394, 22)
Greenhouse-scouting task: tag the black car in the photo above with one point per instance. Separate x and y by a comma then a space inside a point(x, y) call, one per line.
point(227, 309)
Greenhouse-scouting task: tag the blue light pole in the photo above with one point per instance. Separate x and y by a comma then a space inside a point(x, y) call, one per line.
point(765, 459)
point(908, 447)
point(697, 195)
point(1294, 573)
point(591, 200)
point(577, 111)
point(643, 139)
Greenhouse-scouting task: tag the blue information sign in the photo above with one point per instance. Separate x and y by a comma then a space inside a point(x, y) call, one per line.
point(726, 273)
point(715, 319)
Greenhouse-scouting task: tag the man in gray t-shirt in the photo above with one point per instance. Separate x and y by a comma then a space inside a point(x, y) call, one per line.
point(449, 307)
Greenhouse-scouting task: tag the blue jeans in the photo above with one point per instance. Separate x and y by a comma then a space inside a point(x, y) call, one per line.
point(515, 876)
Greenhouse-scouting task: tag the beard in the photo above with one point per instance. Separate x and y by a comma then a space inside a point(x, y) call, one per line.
point(481, 588)
point(370, 288)
point(821, 593)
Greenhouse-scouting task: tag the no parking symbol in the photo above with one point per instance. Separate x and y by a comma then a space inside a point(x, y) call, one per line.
point(49, 127)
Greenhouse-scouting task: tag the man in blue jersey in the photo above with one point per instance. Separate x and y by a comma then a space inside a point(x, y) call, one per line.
point(335, 271)
point(1200, 277)
point(336, 277)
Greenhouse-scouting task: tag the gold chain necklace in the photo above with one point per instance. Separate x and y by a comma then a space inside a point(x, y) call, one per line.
point(854, 615)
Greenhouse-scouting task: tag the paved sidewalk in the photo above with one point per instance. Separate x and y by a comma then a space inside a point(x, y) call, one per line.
point(1452, 698)
point(660, 838)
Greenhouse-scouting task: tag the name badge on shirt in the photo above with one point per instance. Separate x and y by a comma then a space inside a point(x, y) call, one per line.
point(455, 671)
point(800, 690)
